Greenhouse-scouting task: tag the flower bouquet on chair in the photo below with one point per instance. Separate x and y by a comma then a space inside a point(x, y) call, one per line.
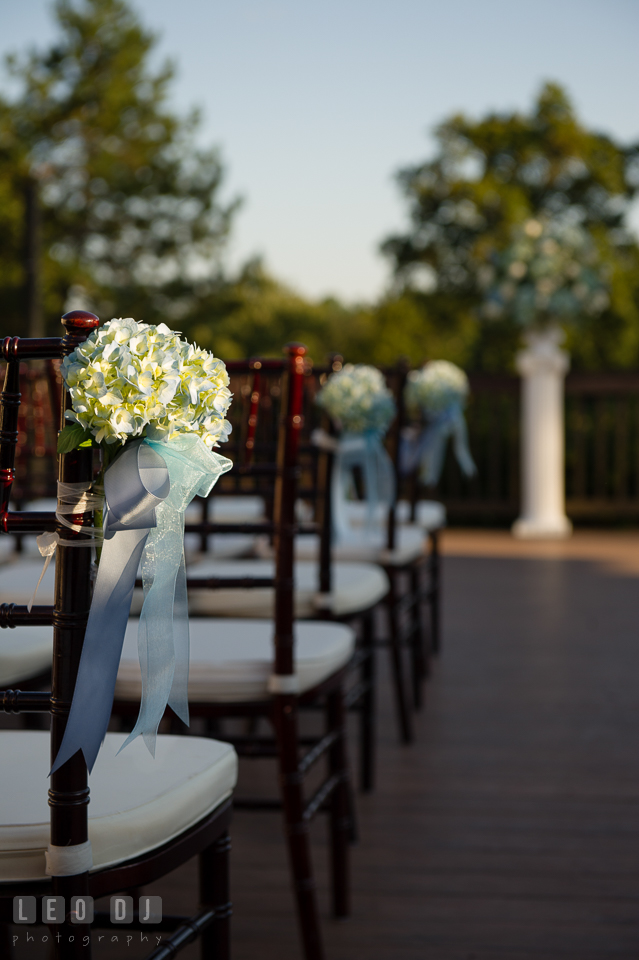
point(362, 408)
point(437, 393)
point(155, 405)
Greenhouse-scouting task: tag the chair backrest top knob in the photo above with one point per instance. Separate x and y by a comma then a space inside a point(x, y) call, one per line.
point(80, 320)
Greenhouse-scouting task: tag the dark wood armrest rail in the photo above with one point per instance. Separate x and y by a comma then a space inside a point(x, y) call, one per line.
point(13, 615)
point(44, 348)
point(28, 521)
point(17, 701)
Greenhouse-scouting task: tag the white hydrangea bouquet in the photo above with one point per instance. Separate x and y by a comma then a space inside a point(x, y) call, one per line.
point(548, 274)
point(438, 393)
point(435, 387)
point(357, 399)
point(156, 406)
point(362, 408)
point(130, 380)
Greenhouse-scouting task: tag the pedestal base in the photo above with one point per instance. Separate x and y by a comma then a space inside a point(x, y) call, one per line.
point(556, 529)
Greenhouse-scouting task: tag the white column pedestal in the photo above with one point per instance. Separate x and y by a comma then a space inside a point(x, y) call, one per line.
point(542, 365)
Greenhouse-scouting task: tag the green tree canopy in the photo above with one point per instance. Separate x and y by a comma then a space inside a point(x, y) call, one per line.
point(490, 175)
point(130, 205)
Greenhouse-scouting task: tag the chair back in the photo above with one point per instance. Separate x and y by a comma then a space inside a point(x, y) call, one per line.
point(68, 789)
point(267, 418)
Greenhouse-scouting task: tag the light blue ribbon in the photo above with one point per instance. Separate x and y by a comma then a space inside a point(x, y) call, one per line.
point(366, 451)
point(428, 449)
point(147, 488)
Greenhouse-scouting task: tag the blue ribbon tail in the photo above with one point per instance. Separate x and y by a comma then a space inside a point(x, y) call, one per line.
point(163, 635)
point(93, 698)
point(461, 447)
point(147, 487)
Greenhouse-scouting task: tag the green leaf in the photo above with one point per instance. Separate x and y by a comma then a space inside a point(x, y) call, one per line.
point(71, 437)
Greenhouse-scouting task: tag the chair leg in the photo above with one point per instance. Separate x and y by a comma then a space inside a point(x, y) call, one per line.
point(401, 697)
point(6, 942)
point(214, 892)
point(296, 827)
point(340, 820)
point(367, 707)
point(435, 591)
point(419, 659)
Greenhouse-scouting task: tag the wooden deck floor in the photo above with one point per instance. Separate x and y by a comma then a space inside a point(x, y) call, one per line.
point(510, 830)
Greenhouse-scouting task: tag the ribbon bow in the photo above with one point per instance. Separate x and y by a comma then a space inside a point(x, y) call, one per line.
point(147, 488)
point(428, 448)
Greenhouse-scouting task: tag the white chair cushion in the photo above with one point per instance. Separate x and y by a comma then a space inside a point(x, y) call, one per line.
point(232, 660)
point(18, 580)
point(231, 545)
point(24, 653)
point(364, 546)
point(137, 803)
point(356, 587)
point(228, 510)
point(7, 549)
point(429, 514)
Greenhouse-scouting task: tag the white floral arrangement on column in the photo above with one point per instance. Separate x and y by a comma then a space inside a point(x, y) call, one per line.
point(548, 274)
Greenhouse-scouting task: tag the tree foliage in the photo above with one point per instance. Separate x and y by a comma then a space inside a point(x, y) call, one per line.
point(491, 175)
point(130, 204)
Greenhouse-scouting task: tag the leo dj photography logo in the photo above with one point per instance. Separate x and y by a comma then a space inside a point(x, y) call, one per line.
point(52, 910)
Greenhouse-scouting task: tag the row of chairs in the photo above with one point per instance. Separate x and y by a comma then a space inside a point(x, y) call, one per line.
point(317, 614)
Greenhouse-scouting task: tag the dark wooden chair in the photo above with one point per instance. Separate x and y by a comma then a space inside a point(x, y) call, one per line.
point(197, 825)
point(399, 552)
point(273, 668)
point(347, 592)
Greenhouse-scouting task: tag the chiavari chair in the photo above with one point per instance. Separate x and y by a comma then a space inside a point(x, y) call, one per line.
point(273, 668)
point(146, 816)
point(343, 591)
point(398, 551)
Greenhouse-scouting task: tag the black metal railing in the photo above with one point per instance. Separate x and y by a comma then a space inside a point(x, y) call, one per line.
point(602, 451)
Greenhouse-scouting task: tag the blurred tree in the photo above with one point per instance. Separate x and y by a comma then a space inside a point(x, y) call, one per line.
point(253, 314)
point(97, 173)
point(490, 175)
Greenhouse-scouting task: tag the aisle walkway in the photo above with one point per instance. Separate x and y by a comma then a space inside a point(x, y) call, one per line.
point(510, 830)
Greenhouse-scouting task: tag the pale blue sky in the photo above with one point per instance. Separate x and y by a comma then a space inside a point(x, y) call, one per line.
point(315, 104)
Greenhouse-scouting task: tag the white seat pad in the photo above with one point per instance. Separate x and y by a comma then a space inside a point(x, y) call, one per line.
point(364, 546)
point(24, 653)
point(18, 580)
point(355, 587)
point(232, 660)
point(224, 509)
point(7, 549)
point(231, 545)
point(429, 514)
point(137, 803)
